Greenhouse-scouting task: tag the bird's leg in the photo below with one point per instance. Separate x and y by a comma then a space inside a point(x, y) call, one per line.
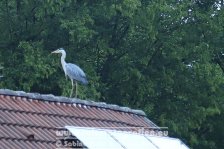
point(72, 88)
point(76, 89)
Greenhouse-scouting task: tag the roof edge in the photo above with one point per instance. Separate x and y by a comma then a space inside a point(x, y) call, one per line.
point(62, 99)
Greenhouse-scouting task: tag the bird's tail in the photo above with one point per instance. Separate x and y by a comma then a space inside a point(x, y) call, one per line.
point(84, 81)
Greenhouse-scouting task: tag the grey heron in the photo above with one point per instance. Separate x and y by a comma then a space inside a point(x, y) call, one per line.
point(74, 72)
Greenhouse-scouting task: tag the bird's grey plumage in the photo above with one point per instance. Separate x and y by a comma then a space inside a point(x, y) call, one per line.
point(73, 71)
point(76, 73)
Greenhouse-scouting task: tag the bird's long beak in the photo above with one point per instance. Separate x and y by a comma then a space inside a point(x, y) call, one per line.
point(56, 51)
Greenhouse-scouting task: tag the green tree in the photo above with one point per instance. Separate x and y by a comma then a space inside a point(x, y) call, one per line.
point(164, 57)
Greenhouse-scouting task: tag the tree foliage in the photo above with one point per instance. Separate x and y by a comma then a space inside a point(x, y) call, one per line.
point(164, 57)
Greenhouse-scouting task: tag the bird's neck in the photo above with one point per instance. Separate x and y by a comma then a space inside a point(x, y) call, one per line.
point(63, 62)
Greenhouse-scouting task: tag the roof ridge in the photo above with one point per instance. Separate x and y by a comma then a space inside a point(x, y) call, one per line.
point(62, 99)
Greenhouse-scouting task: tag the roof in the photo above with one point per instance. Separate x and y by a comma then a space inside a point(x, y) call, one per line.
point(113, 139)
point(29, 120)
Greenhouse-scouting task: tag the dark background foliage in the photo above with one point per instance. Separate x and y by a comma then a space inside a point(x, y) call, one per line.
point(164, 57)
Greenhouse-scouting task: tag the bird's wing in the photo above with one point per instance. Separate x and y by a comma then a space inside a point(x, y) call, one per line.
point(76, 73)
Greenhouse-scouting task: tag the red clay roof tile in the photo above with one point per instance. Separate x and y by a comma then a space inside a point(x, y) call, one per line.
point(26, 115)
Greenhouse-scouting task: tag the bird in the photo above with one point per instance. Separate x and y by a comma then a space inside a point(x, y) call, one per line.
point(74, 72)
